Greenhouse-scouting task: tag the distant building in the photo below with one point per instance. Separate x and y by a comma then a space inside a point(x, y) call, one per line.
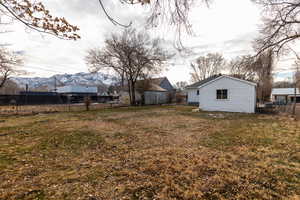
point(76, 94)
point(77, 90)
point(150, 92)
point(164, 83)
point(285, 95)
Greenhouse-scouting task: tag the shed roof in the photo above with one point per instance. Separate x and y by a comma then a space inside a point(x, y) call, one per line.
point(158, 81)
point(155, 87)
point(196, 85)
point(149, 85)
point(214, 78)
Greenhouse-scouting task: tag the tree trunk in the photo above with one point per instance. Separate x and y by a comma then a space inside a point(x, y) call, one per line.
point(129, 91)
point(122, 79)
point(133, 93)
point(4, 79)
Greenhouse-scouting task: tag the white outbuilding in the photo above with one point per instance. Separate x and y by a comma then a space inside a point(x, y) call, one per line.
point(285, 95)
point(226, 93)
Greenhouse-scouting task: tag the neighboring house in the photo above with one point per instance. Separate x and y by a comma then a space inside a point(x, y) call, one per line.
point(285, 95)
point(155, 94)
point(193, 91)
point(164, 83)
point(225, 93)
point(150, 92)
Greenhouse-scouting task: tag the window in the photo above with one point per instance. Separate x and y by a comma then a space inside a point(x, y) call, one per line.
point(222, 94)
point(197, 92)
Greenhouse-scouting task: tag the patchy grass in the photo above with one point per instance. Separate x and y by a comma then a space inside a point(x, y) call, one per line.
point(149, 153)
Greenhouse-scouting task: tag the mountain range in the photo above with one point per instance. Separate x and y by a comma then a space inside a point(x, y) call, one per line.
point(82, 78)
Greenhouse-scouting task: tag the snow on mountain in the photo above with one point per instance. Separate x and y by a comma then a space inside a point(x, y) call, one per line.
point(86, 79)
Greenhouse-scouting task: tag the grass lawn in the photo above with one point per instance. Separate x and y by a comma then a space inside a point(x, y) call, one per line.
point(149, 153)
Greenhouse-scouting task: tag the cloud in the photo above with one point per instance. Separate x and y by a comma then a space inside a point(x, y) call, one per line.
point(227, 27)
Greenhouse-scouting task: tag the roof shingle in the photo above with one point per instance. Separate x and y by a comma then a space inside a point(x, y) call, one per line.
point(196, 85)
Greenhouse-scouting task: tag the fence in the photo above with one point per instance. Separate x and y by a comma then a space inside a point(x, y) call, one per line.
point(44, 103)
point(287, 108)
point(23, 99)
point(36, 109)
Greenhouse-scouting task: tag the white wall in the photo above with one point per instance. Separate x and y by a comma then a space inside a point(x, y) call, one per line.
point(77, 89)
point(192, 96)
point(241, 96)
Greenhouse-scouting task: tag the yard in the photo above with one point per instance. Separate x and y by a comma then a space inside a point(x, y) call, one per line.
point(149, 153)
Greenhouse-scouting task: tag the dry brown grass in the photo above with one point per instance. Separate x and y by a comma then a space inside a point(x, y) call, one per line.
point(149, 153)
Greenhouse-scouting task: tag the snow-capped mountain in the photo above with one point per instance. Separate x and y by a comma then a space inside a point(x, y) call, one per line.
point(87, 79)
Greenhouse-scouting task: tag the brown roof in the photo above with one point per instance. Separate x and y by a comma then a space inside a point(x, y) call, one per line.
point(152, 84)
point(157, 81)
point(155, 87)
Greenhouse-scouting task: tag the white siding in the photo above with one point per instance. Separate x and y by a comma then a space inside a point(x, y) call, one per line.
point(192, 96)
point(77, 89)
point(241, 96)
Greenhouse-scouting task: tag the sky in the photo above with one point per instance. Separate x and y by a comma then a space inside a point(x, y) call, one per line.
point(227, 27)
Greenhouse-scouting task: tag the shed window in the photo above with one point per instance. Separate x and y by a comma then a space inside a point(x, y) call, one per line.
point(197, 92)
point(222, 94)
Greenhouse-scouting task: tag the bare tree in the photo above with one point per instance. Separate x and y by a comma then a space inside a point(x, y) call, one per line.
point(283, 84)
point(206, 66)
point(296, 82)
point(281, 24)
point(242, 67)
point(132, 55)
point(258, 69)
point(264, 66)
point(35, 16)
point(8, 65)
point(181, 85)
point(164, 12)
point(174, 12)
point(10, 87)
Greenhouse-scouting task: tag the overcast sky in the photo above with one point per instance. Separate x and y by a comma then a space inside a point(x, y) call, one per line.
point(227, 27)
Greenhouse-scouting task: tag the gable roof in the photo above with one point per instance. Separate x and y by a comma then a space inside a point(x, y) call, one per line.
point(155, 87)
point(215, 78)
point(157, 81)
point(198, 84)
point(149, 85)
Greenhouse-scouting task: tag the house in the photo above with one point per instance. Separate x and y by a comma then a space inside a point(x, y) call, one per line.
point(150, 92)
point(224, 93)
point(164, 83)
point(285, 95)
